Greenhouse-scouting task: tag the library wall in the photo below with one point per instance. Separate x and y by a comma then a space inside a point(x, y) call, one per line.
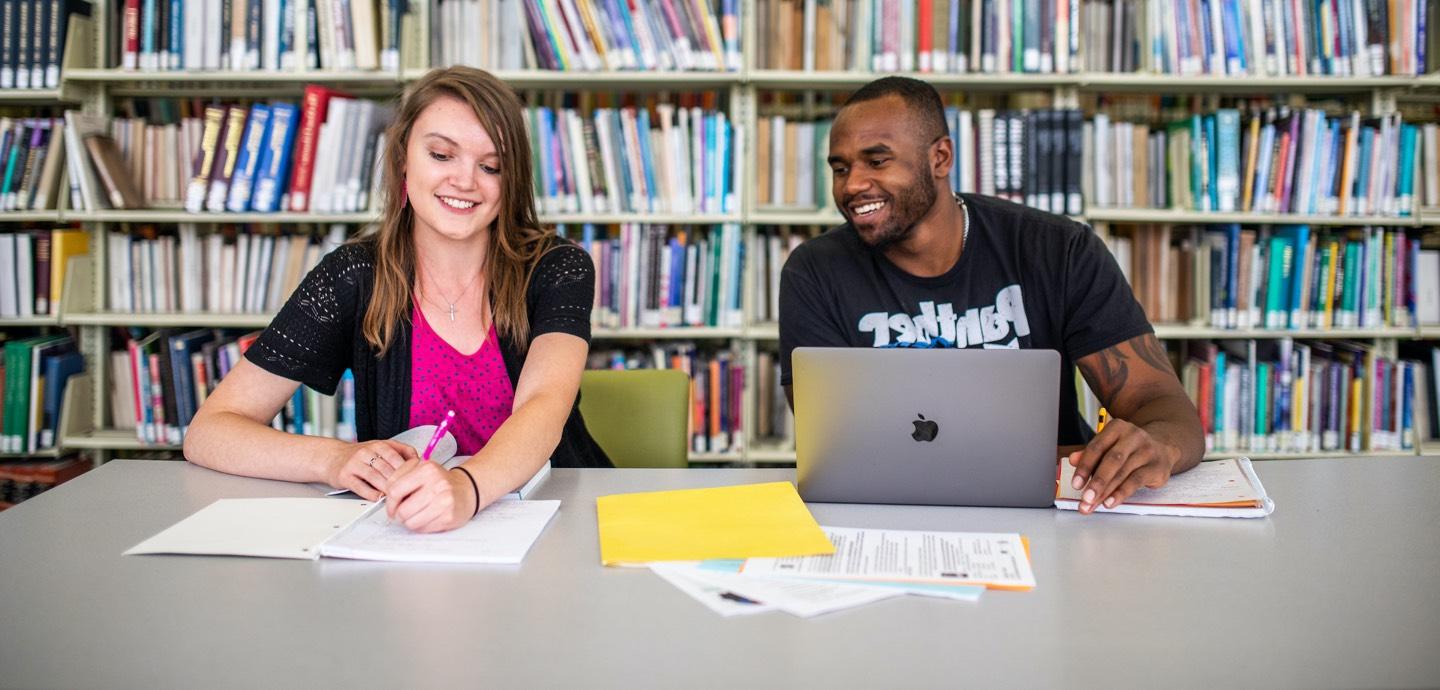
point(1266, 174)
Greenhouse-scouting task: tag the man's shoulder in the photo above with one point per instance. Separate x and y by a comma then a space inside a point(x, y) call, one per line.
point(1025, 223)
point(836, 244)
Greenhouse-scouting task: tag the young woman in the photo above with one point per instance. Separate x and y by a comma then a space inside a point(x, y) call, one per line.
point(460, 301)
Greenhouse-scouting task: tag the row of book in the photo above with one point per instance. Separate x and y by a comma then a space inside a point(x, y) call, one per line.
point(32, 154)
point(1258, 37)
point(1276, 160)
point(769, 247)
point(1281, 277)
point(318, 157)
point(1270, 160)
point(656, 276)
point(32, 270)
point(588, 34)
point(773, 420)
point(1034, 157)
point(230, 270)
point(36, 371)
point(33, 34)
point(1299, 397)
point(951, 36)
point(162, 377)
point(23, 480)
point(246, 35)
point(629, 159)
point(717, 386)
point(1222, 37)
point(791, 170)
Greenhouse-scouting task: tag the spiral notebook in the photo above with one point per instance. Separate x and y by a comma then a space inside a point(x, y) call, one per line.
point(308, 528)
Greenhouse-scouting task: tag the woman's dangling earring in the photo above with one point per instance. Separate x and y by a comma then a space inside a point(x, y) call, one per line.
point(404, 193)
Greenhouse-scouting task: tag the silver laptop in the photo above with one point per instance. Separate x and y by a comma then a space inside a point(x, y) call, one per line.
point(932, 427)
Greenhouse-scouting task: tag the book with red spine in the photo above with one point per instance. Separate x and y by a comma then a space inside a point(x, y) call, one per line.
point(312, 114)
point(925, 35)
point(131, 31)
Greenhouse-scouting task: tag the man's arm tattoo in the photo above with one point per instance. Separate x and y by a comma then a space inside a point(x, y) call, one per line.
point(1109, 373)
point(1150, 350)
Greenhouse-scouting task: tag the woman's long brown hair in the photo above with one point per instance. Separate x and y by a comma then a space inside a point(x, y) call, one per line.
point(516, 239)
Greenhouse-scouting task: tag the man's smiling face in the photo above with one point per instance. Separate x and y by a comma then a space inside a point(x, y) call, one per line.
point(879, 160)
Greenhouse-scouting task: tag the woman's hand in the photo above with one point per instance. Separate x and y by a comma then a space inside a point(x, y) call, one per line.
point(367, 468)
point(426, 497)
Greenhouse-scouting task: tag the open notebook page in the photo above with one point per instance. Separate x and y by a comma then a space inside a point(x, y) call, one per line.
point(502, 533)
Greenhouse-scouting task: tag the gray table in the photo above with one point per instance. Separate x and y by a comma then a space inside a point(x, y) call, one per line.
point(1340, 587)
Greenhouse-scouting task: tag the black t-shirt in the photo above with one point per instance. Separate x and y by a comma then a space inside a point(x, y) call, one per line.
point(1026, 279)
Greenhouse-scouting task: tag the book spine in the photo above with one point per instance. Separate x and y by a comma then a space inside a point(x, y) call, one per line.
point(205, 162)
point(248, 161)
point(314, 105)
point(225, 157)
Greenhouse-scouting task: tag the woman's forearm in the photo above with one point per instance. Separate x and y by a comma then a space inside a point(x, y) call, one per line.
point(520, 447)
point(230, 442)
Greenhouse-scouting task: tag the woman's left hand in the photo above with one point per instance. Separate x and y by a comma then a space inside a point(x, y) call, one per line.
point(426, 497)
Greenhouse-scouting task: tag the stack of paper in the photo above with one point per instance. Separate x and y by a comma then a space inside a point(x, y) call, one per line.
point(868, 565)
point(750, 549)
point(1219, 488)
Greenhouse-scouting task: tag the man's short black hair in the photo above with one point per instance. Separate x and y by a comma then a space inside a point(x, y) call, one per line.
point(922, 99)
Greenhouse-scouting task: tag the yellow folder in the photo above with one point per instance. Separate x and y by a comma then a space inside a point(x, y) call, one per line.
point(747, 521)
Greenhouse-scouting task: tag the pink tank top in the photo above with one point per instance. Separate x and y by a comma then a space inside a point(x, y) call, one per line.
point(476, 386)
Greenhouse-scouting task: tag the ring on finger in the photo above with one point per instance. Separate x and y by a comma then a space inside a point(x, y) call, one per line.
point(373, 458)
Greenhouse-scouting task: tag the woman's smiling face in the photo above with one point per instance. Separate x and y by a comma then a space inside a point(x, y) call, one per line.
point(452, 171)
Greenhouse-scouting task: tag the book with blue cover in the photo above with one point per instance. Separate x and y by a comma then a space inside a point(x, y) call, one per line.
point(247, 164)
point(58, 370)
point(274, 172)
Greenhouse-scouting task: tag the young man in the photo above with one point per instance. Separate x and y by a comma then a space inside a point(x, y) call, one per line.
point(916, 266)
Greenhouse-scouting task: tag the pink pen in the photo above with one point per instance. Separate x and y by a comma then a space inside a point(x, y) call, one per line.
point(439, 434)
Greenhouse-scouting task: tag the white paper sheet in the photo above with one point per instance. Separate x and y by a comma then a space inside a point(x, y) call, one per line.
point(716, 598)
point(991, 559)
point(1216, 481)
point(265, 527)
point(923, 589)
point(798, 597)
point(502, 533)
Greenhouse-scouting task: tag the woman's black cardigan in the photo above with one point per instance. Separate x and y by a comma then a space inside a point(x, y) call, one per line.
point(317, 336)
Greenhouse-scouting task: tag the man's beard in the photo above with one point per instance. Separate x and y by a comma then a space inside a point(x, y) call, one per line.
point(908, 207)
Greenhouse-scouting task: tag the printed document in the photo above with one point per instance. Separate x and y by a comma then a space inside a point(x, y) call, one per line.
point(997, 561)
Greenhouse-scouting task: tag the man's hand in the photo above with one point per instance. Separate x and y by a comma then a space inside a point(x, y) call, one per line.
point(1155, 431)
point(1117, 462)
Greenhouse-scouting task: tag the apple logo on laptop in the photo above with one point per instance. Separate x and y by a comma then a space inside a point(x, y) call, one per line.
point(925, 430)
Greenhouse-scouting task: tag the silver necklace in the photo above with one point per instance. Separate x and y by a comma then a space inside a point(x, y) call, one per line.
point(448, 303)
point(965, 220)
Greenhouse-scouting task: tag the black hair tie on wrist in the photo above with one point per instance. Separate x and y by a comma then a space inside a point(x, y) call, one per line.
point(473, 486)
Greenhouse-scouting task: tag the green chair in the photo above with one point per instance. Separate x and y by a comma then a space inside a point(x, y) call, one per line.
point(640, 416)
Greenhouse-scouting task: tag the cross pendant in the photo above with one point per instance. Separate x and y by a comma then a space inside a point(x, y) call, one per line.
point(452, 313)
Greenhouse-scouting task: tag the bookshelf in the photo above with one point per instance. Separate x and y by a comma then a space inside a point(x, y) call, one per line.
point(92, 86)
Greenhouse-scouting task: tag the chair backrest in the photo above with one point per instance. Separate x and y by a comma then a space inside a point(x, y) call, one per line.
point(640, 417)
